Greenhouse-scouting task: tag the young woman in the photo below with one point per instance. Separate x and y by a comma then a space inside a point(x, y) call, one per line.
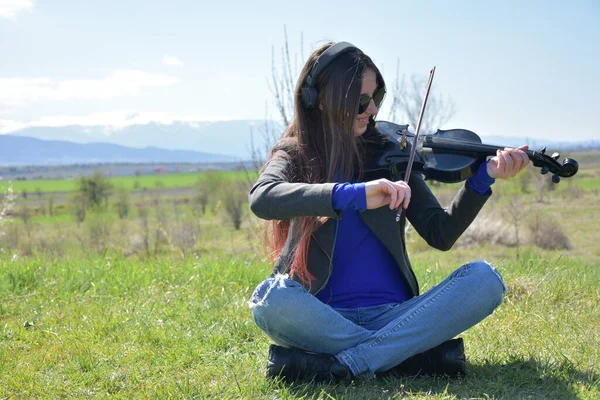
point(343, 300)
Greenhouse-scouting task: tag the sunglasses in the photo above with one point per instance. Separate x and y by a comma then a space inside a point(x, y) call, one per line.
point(365, 100)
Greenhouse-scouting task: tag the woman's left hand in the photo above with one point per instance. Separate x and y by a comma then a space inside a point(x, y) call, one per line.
point(508, 162)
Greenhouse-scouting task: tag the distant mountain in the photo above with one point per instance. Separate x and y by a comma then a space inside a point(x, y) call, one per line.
point(16, 150)
point(232, 138)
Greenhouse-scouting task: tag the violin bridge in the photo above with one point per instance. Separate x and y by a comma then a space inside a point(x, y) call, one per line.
point(403, 140)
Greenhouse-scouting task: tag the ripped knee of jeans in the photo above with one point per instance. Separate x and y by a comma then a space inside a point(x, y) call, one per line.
point(264, 289)
point(490, 277)
point(490, 268)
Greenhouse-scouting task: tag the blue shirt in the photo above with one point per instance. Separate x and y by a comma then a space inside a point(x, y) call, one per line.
point(364, 273)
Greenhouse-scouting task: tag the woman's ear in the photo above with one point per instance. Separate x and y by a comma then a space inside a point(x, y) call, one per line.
point(321, 106)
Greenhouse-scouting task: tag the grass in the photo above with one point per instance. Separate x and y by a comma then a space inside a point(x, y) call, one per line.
point(134, 328)
point(78, 323)
point(170, 180)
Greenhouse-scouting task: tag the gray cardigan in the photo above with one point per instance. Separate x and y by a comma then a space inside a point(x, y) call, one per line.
point(274, 196)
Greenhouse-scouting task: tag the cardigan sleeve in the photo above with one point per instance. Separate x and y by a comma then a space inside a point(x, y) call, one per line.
point(274, 196)
point(441, 227)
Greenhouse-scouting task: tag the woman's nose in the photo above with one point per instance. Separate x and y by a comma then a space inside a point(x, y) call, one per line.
point(372, 108)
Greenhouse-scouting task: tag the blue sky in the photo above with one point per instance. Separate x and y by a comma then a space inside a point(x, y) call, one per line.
point(512, 68)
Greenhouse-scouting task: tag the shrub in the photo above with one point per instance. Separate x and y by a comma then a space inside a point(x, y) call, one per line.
point(99, 226)
point(123, 203)
point(234, 197)
point(489, 229)
point(77, 204)
point(546, 233)
point(95, 189)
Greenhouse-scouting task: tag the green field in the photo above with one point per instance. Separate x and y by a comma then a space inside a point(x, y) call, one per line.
point(154, 305)
point(174, 180)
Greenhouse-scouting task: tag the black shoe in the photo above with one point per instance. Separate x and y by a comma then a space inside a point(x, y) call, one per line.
point(446, 359)
point(293, 364)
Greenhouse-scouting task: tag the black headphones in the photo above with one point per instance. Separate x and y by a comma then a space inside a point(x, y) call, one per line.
point(309, 92)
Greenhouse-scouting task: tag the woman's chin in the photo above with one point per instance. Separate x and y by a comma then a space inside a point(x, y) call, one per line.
point(360, 129)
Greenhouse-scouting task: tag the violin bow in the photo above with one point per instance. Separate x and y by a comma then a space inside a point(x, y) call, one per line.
point(411, 158)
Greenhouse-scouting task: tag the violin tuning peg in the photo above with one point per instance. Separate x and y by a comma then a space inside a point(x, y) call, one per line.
point(555, 178)
point(543, 150)
point(555, 156)
point(544, 170)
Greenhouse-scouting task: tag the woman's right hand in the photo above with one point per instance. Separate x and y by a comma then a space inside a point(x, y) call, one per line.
point(383, 192)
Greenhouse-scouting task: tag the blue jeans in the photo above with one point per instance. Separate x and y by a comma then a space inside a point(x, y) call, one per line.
point(377, 338)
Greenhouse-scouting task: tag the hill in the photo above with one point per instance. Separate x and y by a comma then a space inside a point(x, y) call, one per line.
point(230, 138)
point(17, 150)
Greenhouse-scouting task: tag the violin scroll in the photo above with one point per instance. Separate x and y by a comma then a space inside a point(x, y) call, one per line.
point(568, 168)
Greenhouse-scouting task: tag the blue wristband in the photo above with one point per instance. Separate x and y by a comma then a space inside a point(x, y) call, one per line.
point(349, 195)
point(481, 181)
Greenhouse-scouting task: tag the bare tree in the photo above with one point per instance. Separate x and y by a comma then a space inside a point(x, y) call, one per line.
point(283, 76)
point(284, 71)
point(516, 210)
point(123, 203)
point(407, 100)
point(234, 197)
point(269, 132)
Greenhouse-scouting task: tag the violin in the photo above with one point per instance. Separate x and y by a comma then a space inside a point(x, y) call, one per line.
point(447, 155)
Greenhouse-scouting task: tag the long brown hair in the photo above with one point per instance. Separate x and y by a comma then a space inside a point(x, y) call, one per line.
point(321, 142)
